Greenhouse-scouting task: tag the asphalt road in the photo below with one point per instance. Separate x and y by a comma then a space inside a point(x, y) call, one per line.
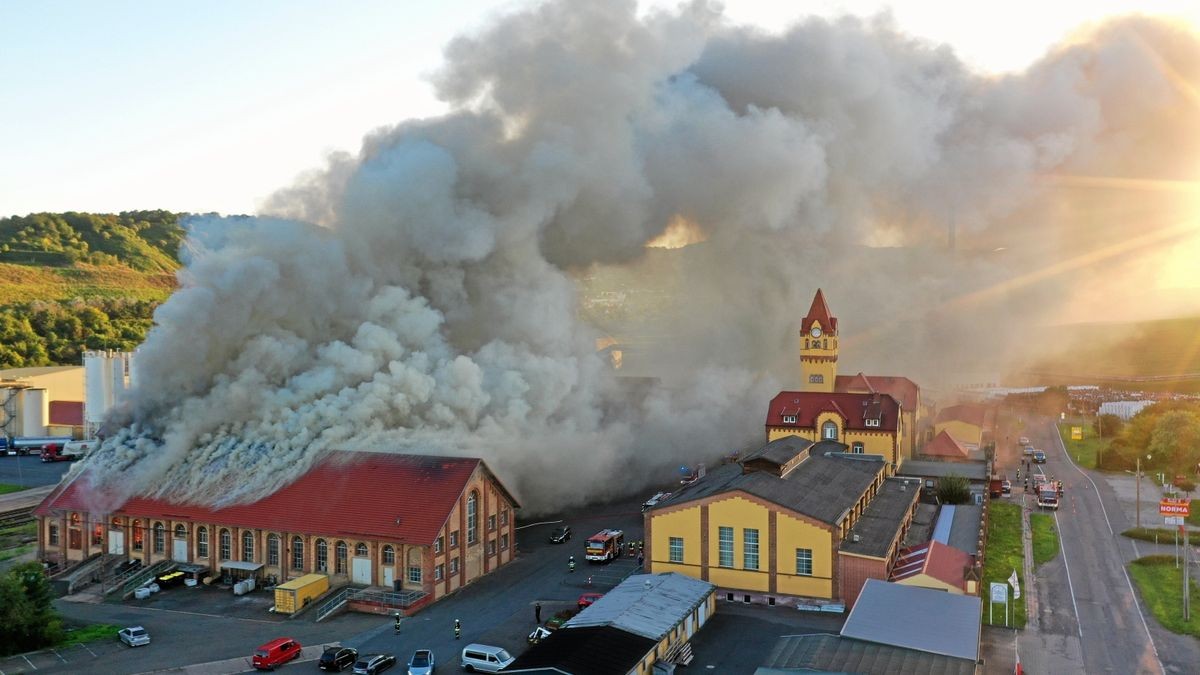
point(1086, 610)
point(30, 471)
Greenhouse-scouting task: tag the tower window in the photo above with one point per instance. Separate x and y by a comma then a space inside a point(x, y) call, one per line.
point(816, 379)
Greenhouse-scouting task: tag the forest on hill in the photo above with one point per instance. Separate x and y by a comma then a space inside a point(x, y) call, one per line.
point(72, 281)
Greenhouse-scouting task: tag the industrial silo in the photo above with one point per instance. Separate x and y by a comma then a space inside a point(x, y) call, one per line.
point(95, 388)
point(35, 411)
point(117, 364)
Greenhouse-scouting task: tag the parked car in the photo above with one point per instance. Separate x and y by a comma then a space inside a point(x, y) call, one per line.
point(485, 658)
point(134, 636)
point(1039, 457)
point(421, 663)
point(1006, 487)
point(1024, 440)
point(337, 659)
point(374, 663)
point(1029, 450)
point(560, 534)
point(588, 598)
point(275, 653)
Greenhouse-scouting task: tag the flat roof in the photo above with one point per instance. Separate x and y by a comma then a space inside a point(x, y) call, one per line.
point(826, 653)
point(918, 618)
point(649, 605)
point(964, 530)
point(932, 469)
point(880, 523)
point(593, 650)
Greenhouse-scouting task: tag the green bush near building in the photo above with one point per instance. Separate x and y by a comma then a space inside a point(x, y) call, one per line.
point(1161, 587)
point(1045, 538)
point(1005, 553)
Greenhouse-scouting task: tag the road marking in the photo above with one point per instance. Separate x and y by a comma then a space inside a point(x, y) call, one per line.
point(29, 662)
point(1070, 586)
point(1084, 474)
point(215, 616)
point(60, 656)
point(544, 522)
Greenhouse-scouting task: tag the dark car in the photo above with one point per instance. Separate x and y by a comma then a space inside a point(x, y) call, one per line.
point(374, 663)
point(337, 659)
point(560, 534)
point(1039, 457)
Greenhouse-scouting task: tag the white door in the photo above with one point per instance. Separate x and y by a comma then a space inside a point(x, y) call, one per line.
point(116, 541)
point(389, 577)
point(179, 550)
point(360, 571)
point(702, 614)
point(691, 625)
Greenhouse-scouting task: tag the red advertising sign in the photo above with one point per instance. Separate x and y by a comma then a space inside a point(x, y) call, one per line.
point(1174, 507)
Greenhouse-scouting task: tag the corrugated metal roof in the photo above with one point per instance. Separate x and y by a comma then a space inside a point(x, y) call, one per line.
point(396, 497)
point(916, 618)
point(941, 531)
point(964, 532)
point(933, 469)
point(649, 605)
point(835, 654)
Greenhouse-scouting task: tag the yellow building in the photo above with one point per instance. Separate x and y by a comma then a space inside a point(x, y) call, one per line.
point(965, 423)
point(789, 523)
point(866, 423)
point(819, 373)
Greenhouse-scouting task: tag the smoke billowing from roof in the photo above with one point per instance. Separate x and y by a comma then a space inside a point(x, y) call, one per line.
point(422, 297)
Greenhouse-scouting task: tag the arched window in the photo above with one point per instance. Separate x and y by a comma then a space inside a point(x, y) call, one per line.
point(389, 555)
point(116, 522)
point(74, 518)
point(360, 550)
point(247, 546)
point(273, 550)
point(829, 431)
point(138, 536)
point(322, 556)
point(857, 448)
point(472, 518)
point(297, 553)
point(160, 538)
point(340, 551)
point(226, 545)
point(180, 531)
point(202, 542)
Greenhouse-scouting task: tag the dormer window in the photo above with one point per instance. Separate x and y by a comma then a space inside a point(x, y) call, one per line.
point(789, 419)
point(872, 422)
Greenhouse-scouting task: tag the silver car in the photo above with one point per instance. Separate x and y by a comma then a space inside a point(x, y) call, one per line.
point(421, 663)
point(134, 636)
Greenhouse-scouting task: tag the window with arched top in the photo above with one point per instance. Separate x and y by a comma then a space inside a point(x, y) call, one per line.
point(116, 522)
point(138, 537)
point(360, 550)
point(247, 546)
point(160, 538)
point(389, 555)
point(226, 545)
point(273, 550)
point(74, 518)
point(322, 556)
point(340, 558)
point(829, 431)
point(857, 448)
point(180, 531)
point(202, 542)
point(297, 553)
point(472, 518)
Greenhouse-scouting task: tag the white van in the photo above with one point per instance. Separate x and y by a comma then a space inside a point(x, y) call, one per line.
point(79, 448)
point(485, 658)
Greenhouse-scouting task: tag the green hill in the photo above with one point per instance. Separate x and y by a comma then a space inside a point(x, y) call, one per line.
point(75, 281)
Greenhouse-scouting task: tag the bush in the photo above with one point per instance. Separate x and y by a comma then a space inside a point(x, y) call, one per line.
point(27, 621)
point(953, 489)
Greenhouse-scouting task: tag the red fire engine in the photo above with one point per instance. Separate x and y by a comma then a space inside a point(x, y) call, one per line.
point(603, 546)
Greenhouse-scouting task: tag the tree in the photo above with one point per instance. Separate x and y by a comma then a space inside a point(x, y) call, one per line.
point(1175, 442)
point(1109, 426)
point(953, 489)
point(27, 621)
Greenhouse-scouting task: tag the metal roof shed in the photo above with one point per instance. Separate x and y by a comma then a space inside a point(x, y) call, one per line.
point(649, 605)
point(916, 618)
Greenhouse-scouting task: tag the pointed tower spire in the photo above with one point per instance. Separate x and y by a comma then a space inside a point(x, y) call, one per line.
point(819, 312)
point(818, 347)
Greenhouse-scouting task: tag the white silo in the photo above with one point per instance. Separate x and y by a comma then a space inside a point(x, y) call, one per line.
point(106, 375)
point(131, 359)
point(117, 363)
point(35, 411)
point(94, 387)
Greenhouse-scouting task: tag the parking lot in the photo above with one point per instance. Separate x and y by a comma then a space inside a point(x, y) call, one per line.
point(30, 470)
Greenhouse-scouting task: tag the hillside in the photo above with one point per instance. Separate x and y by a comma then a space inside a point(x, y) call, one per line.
point(76, 281)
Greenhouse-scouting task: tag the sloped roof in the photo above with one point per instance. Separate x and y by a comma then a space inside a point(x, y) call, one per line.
point(821, 487)
point(902, 389)
point(649, 605)
point(965, 412)
point(395, 497)
point(937, 469)
point(596, 650)
point(933, 559)
point(806, 406)
point(880, 523)
point(835, 654)
point(819, 311)
point(944, 445)
point(66, 413)
point(781, 450)
point(21, 373)
point(918, 618)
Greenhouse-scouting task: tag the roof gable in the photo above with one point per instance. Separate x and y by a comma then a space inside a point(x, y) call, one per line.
point(800, 409)
point(971, 414)
point(405, 498)
point(902, 389)
point(944, 445)
point(819, 312)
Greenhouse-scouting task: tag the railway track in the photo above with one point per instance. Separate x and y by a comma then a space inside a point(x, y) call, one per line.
point(16, 517)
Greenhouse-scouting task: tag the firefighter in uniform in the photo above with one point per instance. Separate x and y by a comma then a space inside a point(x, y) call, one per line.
point(457, 629)
point(397, 623)
point(571, 564)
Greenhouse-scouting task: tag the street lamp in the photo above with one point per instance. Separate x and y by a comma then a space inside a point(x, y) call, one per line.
point(1138, 477)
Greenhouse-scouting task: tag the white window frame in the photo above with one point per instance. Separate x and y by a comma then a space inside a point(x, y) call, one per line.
point(675, 546)
point(750, 558)
point(804, 555)
point(724, 546)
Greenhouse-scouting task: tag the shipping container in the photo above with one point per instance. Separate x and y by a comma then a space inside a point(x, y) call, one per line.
point(292, 596)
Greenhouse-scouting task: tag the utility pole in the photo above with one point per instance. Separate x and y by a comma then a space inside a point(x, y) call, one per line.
point(1187, 605)
point(1137, 477)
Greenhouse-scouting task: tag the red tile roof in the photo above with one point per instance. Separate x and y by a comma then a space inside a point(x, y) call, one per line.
point(966, 412)
point(944, 445)
point(66, 413)
point(808, 405)
point(405, 498)
point(819, 311)
point(901, 388)
point(934, 559)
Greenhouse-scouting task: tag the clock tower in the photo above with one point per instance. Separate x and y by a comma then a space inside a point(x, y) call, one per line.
point(818, 347)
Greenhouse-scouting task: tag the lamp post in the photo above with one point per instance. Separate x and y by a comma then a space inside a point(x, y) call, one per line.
point(1137, 476)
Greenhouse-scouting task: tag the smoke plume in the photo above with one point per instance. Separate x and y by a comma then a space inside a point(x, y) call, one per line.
point(424, 295)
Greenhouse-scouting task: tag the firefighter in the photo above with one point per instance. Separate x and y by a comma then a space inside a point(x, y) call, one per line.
point(641, 546)
point(397, 623)
point(571, 564)
point(631, 548)
point(457, 629)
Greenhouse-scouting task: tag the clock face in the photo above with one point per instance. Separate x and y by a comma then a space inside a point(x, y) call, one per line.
point(816, 331)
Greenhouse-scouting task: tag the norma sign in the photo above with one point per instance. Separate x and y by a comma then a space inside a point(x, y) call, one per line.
point(1077, 433)
point(1174, 507)
point(999, 592)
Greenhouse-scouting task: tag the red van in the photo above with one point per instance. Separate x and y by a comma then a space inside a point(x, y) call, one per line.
point(275, 653)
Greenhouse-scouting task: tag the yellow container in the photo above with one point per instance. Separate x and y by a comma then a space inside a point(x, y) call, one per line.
point(292, 596)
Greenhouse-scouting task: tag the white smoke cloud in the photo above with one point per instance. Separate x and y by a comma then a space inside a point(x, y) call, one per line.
point(422, 296)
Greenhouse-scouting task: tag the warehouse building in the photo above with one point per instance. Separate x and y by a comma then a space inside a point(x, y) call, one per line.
point(45, 401)
point(424, 525)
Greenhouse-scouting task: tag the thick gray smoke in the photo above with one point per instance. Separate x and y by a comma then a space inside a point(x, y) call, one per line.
point(423, 296)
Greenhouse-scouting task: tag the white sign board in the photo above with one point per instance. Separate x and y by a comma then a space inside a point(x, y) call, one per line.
point(999, 592)
point(1173, 520)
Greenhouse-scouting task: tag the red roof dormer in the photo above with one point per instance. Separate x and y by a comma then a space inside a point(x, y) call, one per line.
point(819, 312)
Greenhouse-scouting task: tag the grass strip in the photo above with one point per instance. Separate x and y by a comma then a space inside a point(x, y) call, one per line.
point(1161, 587)
point(1004, 554)
point(1045, 538)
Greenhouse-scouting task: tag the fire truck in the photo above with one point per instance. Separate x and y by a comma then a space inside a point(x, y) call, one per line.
point(603, 546)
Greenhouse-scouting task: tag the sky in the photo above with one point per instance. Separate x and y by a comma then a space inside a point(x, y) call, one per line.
point(213, 106)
